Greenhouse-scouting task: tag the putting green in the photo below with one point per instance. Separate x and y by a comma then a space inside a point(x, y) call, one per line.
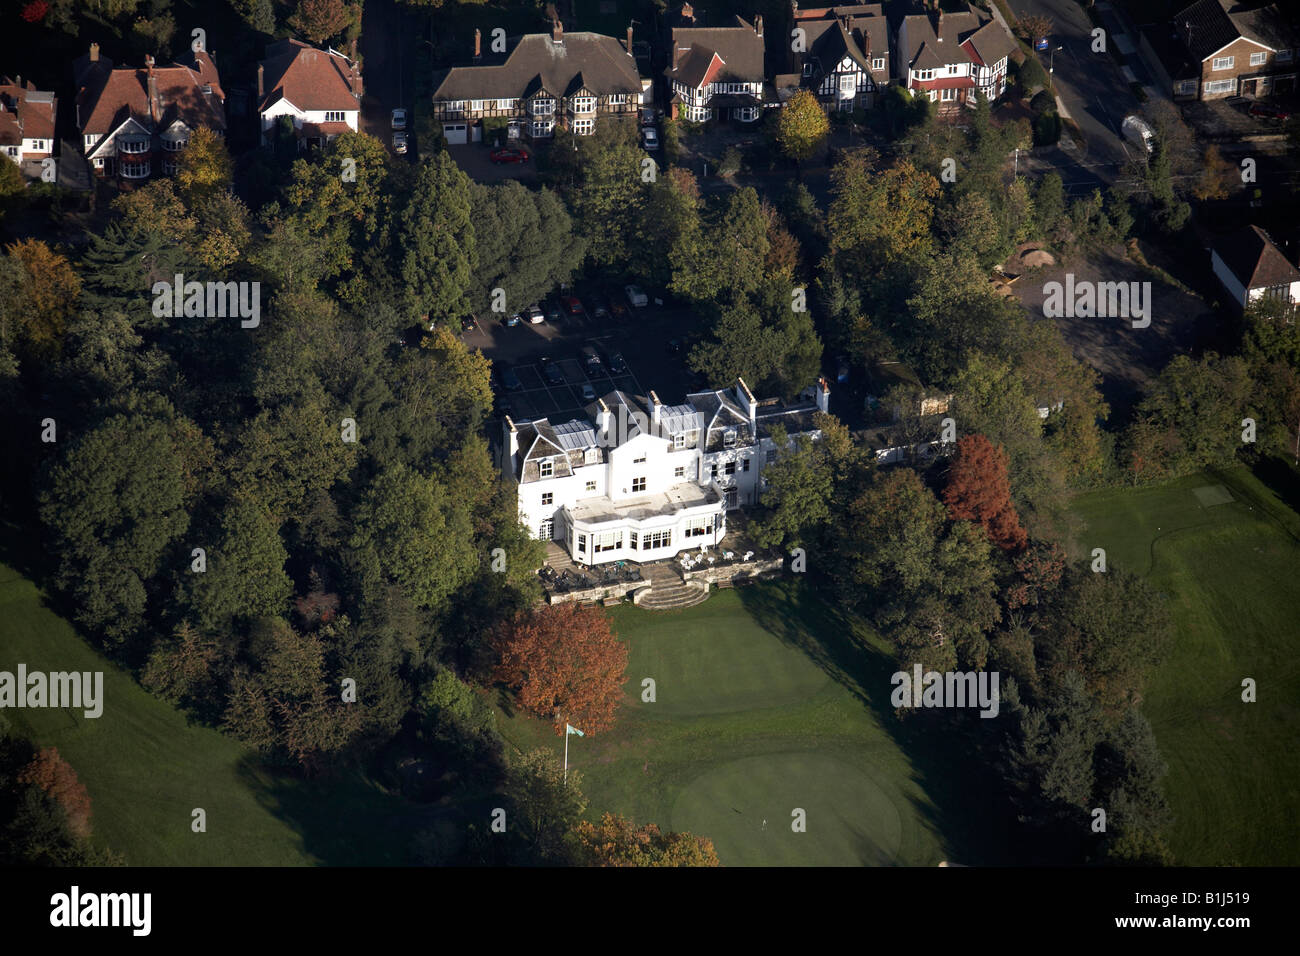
point(716, 661)
point(746, 807)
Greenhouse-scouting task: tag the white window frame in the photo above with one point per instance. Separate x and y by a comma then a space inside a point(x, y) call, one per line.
point(548, 498)
point(1221, 86)
point(952, 69)
point(584, 127)
point(335, 116)
point(639, 483)
point(546, 468)
point(584, 104)
point(476, 106)
point(1258, 59)
point(679, 441)
point(543, 128)
point(878, 63)
point(1282, 56)
point(544, 107)
point(679, 471)
point(948, 95)
point(591, 486)
point(1223, 63)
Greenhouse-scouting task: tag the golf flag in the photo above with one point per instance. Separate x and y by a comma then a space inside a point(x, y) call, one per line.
point(570, 729)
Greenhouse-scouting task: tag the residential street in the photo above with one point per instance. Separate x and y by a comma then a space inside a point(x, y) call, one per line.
point(1090, 85)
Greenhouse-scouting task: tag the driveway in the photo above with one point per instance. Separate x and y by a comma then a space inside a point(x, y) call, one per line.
point(473, 160)
point(389, 34)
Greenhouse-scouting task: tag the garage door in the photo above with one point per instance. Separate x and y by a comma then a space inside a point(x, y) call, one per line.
point(456, 134)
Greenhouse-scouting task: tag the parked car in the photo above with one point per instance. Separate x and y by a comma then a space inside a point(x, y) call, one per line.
point(553, 311)
point(551, 370)
point(648, 117)
point(510, 379)
point(841, 370)
point(649, 138)
point(468, 323)
point(591, 359)
point(1136, 131)
point(399, 143)
point(508, 154)
point(574, 305)
point(617, 309)
point(674, 346)
point(535, 315)
point(616, 362)
point(598, 308)
point(399, 118)
point(636, 296)
point(514, 320)
point(1269, 111)
point(588, 392)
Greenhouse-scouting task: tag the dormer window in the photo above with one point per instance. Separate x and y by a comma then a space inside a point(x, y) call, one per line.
point(807, 69)
point(546, 468)
point(729, 438)
point(679, 441)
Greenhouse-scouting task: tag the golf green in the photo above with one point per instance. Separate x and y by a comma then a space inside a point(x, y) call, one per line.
point(792, 809)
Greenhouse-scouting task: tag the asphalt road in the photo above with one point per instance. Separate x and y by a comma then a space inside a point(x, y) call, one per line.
point(1090, 85)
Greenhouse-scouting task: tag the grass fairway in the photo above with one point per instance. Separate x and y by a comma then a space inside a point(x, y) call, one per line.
point(1231, 570)
point(768, 700)
point(146, 768)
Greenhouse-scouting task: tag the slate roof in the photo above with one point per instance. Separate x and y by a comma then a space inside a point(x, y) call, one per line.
point(860, 31)
point(936, 41)
point(25, 112)
point(1268, 24)
point(536, 62)
point(188, 90)
point(1205, 27)
point(309, 78)
point(737, 45)
point(1254, 259)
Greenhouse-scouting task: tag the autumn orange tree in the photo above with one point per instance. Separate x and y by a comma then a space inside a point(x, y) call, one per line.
point(979, 491)
point(617, 841)
point(55, 776)
point(564, 663)
point(51, 291)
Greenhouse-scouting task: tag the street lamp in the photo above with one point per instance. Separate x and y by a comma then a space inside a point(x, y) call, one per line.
point(1051, 60)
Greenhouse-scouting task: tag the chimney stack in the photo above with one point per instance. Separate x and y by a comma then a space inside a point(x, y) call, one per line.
point(512, 445)
point(629, 39)
point(260, 71)
point(478, 44)
point(823, 395)
point(656, 410)
point(758, 24)
point(604, 419)
point(94, 53)
point(688, 12)
point(148, 64)
point(557, 31)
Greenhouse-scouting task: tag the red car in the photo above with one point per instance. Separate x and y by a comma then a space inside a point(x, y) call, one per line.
point(573, 304)
point(507, 154)
point(1269, 111)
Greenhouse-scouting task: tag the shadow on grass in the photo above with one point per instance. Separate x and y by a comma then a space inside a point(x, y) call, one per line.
point(968, 804)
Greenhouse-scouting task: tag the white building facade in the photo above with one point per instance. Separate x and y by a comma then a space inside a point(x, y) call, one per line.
point(640, 480)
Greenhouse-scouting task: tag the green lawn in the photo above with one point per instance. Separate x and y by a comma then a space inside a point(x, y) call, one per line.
point(1232, 574)
point(146, 769)
point(768, 701)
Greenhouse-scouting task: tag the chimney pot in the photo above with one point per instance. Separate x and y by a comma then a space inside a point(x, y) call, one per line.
point(758, 24)
point(94, 53)
point(478, 43)
point(557, 31)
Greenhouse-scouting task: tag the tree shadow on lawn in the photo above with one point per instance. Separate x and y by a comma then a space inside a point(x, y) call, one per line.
point(968, 804)
point(343, 819)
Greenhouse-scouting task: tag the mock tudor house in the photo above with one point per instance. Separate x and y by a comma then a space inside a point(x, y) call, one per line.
point(320, 90)
point(949, 57)
point(843, 55)
point(716, 73)
point(539, 83)
point(640, 480)
point(1251, 267)
point(135, 122)
point(26, 121)
point(1214, 49)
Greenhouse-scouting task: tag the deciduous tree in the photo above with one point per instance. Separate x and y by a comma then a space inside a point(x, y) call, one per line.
point(978, 491)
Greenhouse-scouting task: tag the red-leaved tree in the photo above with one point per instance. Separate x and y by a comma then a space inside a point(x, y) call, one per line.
point(563, 662)
point(56, 777)
point(978, 491)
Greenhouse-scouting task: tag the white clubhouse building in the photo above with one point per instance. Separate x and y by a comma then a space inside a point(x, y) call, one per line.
point(640, 480)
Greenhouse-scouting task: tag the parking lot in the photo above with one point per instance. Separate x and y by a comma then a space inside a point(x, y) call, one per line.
point(640, 335)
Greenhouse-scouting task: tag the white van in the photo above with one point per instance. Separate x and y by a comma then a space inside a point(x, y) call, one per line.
point(1136, 131)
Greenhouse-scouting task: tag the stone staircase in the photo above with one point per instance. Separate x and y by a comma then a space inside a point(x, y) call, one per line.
point(672, 597)
point(668, 591)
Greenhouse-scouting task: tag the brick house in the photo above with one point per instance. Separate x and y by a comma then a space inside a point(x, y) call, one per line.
point(950, 57)
point(135, 122)
point(844, 55)
point(26, 121)
point(319, 90)
point(539, 83)
point(1214, 49)
point(716, 73)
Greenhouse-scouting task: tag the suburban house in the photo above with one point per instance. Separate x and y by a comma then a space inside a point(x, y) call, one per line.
point(1251, 267)
point(1219, 48)
point(641, 480)
point(135, 122)
point(26, 121)
point(716, 72)
point(320, 90)
point(950, 56)
point(841, 54)
point(539, 83)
